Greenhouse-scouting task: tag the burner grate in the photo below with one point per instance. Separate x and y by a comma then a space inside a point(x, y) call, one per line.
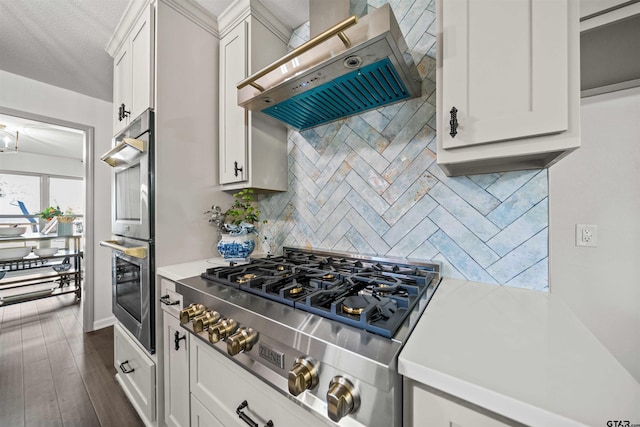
point(376, 296)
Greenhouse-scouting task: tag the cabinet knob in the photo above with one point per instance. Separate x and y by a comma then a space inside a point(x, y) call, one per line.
point(236, 169)
point(342, 398)
point(176, 340)
point(453, 122)
point(303, 376)
point(122, 112)
point(242, 340)
point(222, 329)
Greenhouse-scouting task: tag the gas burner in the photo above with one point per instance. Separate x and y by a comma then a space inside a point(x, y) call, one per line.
point(245, 278)
point(328, 276)
point(295, 290)
point(355, 304)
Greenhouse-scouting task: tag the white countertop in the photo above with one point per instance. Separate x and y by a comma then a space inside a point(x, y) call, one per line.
point(519, 353)
point(194, 268)
point(189, 269)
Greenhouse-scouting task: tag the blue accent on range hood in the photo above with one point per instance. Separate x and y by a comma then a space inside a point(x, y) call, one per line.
point(369, 87)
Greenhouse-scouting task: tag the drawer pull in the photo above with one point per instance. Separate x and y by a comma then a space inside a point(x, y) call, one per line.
point(247, 419)
point(177, 339)
point(167, 300)
point(126, 370)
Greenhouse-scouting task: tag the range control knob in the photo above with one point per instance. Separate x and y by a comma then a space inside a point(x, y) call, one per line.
point(342, 398)
point(222, 329)
point(242, 340)
point(206, 319)
point(303, 376)
point(190, 312)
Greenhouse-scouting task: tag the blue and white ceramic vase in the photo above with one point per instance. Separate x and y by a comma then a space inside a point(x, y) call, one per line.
point(240, 246)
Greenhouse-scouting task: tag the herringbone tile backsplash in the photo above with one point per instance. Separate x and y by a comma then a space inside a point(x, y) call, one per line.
point(370, 184)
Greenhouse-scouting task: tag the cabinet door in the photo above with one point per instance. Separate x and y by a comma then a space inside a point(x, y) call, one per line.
point(429, 409)
point(141, 42)
point(176, 373)
point(201, 417)
point(504, 66)
point(121, 87)
point(233, 118)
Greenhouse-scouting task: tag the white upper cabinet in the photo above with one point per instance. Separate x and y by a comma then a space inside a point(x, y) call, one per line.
point(253, 146)
point(508, 84)
point(133, 71)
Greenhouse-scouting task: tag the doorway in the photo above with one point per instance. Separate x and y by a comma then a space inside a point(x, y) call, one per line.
point(42, 153)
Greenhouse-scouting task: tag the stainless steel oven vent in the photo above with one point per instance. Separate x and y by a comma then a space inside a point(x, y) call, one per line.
point(350, 68)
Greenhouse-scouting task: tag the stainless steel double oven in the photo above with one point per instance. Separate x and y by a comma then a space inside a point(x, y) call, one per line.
point(132, 226)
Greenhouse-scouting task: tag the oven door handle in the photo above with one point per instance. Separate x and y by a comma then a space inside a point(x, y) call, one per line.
point(110, 157)
point(136, 252)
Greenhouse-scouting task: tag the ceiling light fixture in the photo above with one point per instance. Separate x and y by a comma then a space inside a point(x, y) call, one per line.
point(8, 140)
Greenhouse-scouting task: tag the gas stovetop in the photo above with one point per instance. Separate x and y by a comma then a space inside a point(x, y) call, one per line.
point(323, 328)
point(373, 294)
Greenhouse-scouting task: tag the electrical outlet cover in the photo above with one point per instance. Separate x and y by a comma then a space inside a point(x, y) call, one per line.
point(587, 235)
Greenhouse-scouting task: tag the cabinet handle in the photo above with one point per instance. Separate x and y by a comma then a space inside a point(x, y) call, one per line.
point(167, 300)
point(177, 338)
point(247, 419)
point(125, 370)
point(453, 122)
point(122, 113)
point(236, 169)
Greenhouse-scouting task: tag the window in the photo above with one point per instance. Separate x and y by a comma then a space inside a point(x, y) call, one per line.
point(67, 193)
point(16, 188)
point(37, 192)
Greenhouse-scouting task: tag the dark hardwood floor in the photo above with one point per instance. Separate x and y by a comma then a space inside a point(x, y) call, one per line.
point(52, 374)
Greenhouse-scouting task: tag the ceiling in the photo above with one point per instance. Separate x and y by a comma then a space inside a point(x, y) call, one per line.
point(62, 43)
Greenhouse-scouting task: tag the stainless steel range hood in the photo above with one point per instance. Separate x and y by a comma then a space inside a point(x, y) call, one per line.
point(350, 68)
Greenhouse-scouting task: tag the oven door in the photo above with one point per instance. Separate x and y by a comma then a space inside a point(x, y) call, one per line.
point(132, 190)
point(133, 288)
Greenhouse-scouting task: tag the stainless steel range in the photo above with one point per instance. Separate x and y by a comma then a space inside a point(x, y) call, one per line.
point(323, 328)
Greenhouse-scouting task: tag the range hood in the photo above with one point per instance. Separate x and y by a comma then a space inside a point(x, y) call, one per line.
point(349, 68)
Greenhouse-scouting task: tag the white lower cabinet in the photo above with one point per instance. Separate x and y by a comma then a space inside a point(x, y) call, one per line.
point(222, 386)
point(201, 417)
point(176, 373)
point(136, 374)
point(425, 408)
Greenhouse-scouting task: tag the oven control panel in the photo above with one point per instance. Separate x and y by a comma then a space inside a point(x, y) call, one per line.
point(315, 384)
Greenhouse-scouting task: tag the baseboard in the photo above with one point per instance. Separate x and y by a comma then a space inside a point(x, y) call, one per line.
point(103, 323)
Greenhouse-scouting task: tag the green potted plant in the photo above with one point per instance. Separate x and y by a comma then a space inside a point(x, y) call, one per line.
point(50, 213)
point(238, 226)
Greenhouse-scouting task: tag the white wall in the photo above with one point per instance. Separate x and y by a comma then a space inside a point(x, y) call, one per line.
point(600, 184)
point(37, 163)
point(31, 96)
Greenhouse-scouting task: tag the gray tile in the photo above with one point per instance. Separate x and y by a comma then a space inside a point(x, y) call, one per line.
point(467, 189)
point(372, 180)
point(367, 152)
point(414, 171)
point(459, 258)
point(369, 214)
point(409, 241)
point(464, 238)
point(535, 277)
point(464, 212)
point(510, 182)
point(521, 201)
point(521, 258)
point(415, 193)
point(529, 224)
point(414, 216)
